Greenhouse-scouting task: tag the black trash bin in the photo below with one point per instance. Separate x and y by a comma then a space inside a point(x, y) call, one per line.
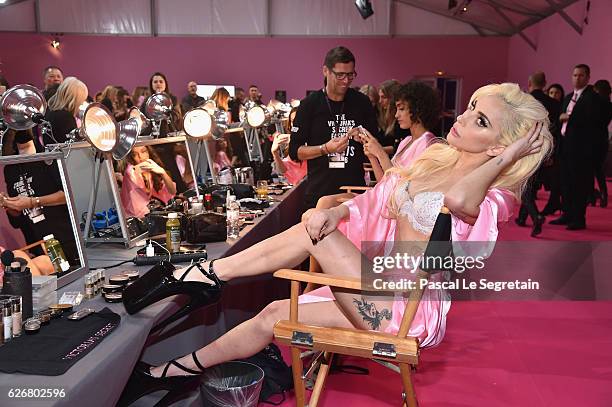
point(232, 384)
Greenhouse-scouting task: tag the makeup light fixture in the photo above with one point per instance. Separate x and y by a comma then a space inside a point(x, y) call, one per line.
point(55, 43)
point(108, 138)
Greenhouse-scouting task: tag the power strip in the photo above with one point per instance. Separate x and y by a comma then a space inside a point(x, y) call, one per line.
point(184, 257)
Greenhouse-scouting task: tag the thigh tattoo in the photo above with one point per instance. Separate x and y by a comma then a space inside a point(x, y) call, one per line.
point(370, 314)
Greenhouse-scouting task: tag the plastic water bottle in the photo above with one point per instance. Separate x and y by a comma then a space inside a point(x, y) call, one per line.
point(233, 217)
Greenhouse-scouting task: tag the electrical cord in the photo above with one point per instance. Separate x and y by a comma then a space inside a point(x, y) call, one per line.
point(117, 264)
point(151, 246)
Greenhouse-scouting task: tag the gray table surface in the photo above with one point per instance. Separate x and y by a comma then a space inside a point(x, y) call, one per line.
point(99, 377)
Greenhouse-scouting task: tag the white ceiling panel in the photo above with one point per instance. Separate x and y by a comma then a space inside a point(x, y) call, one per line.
point(18, 17)
point(327, 18)
point(194, 17)
point(408, 20)
point(239, 17)
point(131, 17)
point(338, 18)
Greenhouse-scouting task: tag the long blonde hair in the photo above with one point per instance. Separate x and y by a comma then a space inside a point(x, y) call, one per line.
point(110, 93)
point(523, 111)
point(69, 96)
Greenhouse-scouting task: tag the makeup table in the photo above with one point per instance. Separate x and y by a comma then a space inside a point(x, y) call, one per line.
point(99, 377)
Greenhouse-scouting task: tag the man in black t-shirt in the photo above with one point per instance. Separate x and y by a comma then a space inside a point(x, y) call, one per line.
point(324, 127)
point(37, 205)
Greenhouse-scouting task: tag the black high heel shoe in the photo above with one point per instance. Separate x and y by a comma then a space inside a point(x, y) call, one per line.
point(159, 283)
point(142, 382)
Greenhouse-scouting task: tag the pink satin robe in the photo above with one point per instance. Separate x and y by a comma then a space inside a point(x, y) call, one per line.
point(296, 171)
point(134, 196)
point(369, 221)
point(402, 158)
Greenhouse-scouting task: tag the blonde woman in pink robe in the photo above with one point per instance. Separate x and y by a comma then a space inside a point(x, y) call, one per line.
point(493, 148)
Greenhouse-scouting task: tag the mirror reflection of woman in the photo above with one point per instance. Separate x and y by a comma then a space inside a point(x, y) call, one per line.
point(182, 162)
point(294, 171)
point(223, 153)
point(143, 180)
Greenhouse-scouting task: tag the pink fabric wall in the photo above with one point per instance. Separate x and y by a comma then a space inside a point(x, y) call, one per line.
point(293, 64)
point(560, 47)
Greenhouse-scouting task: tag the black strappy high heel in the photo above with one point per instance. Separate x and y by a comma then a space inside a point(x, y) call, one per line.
point(159, 283)
point(142, 382)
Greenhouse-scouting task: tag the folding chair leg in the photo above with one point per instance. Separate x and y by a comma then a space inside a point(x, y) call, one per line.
point(298, 383)
point(411, 400)
point(321, 376)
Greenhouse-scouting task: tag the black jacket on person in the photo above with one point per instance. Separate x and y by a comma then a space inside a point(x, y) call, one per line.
point(553, 107)
point(584, 123)
point(189, 102)
point(577, 153)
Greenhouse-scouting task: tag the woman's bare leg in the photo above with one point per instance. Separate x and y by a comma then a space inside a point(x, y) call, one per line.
point(325, 202)
point(44, 265)
point(253, 335)
point(336, 254)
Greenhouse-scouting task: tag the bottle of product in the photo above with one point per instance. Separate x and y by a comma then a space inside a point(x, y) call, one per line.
point(17, 316)
point(7, 319)
point(102, 278)
point(233, 218)
point(208, 202)
point(56, 254)
point(89, 287)
point(227, 199)
point(173, 233)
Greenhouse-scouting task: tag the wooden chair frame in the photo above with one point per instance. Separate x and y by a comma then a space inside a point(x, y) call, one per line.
point(381, 347)
point(28, 247)
point(401, 348)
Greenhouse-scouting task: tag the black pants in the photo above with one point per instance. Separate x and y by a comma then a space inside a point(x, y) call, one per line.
point(576, 185)
point(528, 199)
point(554, 174)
